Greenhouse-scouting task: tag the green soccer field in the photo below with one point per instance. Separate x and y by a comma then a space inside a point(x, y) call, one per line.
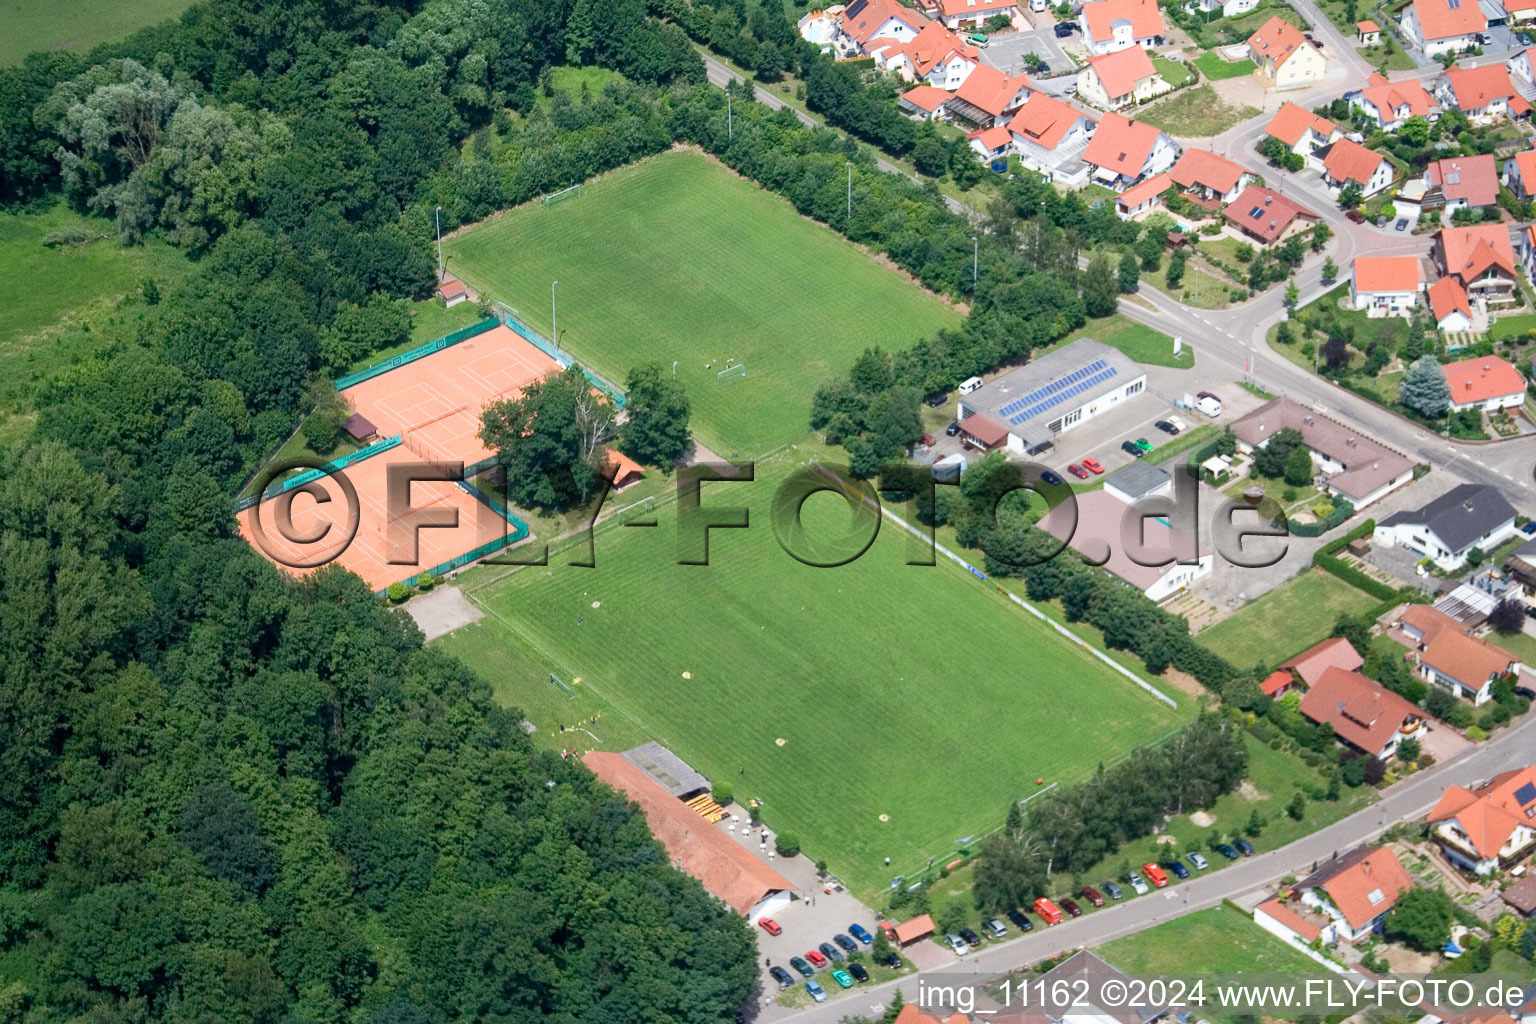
point(676, 258)
point(907, 691)
point(76, 24)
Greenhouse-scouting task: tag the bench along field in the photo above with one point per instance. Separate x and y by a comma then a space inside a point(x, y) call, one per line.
point(847, 694)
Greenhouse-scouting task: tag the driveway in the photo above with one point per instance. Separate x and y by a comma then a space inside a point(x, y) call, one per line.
point(1006, 52)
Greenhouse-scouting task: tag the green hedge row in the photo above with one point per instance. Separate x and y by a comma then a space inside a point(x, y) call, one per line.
point(1342, 511)
point(1325, 560)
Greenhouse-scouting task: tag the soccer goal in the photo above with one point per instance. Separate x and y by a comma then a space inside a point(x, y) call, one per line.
point(563, 194)
point(732, 373)
point(563, 686)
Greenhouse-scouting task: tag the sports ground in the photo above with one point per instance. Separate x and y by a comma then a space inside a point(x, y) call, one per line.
point(911, 692)
point(676, 258)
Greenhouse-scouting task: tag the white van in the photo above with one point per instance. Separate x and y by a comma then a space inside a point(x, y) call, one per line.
point(1210, 406)
point(971, 385)
point(1038, 5)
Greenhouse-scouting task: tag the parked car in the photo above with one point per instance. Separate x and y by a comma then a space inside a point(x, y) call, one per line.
point(1078, 471)
point(858, 972)
point(843, 979)
point(994, 928)
point(1071, 907)
point(1129, 447)
point(781, 976)
point(1179, 870)
point(1155, 875)
point(928, 440)
point(1051, 478)
point(845, 942)
point(1355, 216)
point(1226, 851)
point(816, 959)
point(799, 963)
point(892, 959)
point(952, 430)
point(817, 992)
point(831, 952)
point(1523, 38)
point(1166, 427)
point(1021, 919)
point(1093, 466)
point(1178, 423)
point(956, 943)
point(1244, 847)
point(1199, 861)
point(861, 933)
point(1091, 894)
point(769, 925)
point(1138, 883)
point(1048, 912)
point(937, 399)
point(971, 938)
point(1209, 394)
point(1112, 890)
point(1401, 225)
point(1063, 29)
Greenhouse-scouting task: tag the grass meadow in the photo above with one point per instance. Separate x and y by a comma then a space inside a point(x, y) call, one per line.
point(912, 692)
point(1221, 940)
point(75, 24)
point(678, 259)
point(1285, 621)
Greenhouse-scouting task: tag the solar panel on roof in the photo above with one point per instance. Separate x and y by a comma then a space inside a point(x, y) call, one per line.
point(1047, 389)
point(1057, 397)
point(1526, 793)
point(1256, 213)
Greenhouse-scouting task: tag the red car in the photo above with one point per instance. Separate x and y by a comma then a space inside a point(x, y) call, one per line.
point(1093, 466)
point(816, 959)
point(1071, 907)
point(928, 440)
point(1091, 894)
point(1355, 216)
point(1078, 471)
point(769, 925)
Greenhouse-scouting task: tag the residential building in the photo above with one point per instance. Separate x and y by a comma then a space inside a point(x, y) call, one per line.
point(1285, 57)
point(1084, 972)
point(863, 21)
point(1449, 306)
point(1114, 80)
point(1050, 137)
point(728, 870)
point(968, 14)
point(1460, 183)
point(991, 143)
point(1466, 665)
point(1465, 517)
point(1301, 671)
point(912, 1013)
point(988, 98)
point(1484, 94)
point(1489, 827)
point(1367, 32)
point(1389, 104)
point(1355, 892)
point(1349, 162)
point(1303, 132)
point(1481, 259)
point(1422, 622)
point(1488, 383)
point(1228, 8)
point(935, 56)
point(1520, 174)
point(1443, 26)
point(819, 27)
point(1354, 466)
point(924, 102)
point(1055, 393)
point(1210, 176)
point(1528, 252)
point(1140, 199)
point(1521, 898)
point(1386, 285)
point(1110, 25)
point(1522, 66)
point(1123, 152)
point(1362, 712)
point(1266, 216)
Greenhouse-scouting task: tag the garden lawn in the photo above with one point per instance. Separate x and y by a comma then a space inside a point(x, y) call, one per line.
point(75, 24)
point(1196, 113)
point(889, 685)
point(1174, 72)
point(1215, 69)
point(1285, 621)
point(1221, 940)
point(1147, 345)
point(676, 258)
point(1506, 327)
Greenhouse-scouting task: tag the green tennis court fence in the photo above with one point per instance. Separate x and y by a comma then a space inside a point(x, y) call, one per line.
point(518, 532)
point(436, 345)
point(543, 344)
point(315, 474)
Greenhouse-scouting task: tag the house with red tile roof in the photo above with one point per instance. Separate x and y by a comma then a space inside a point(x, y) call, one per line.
point(911, 1013)
point(1460, 183)
point(1124, 152)
point(1484, 94)
point(1528, 250)
point(1468, 666)
point(935, 56)
point(1266, 216)
point(1443, 26)
point(1386, 285)
point(968, 14)
point(1449, 306)
point(1367, 32)
point(1302, 131)
point(1488, 383)
point(1481, 259)
point(1362, 712)
point(1335, 652)
point(1349, 162)
point(912, 930)
point(731, 872)
point(1420, 623)
point(1143, 198)
point(1110, 25)
point(1050, 137)
point(1287, 919)
point(1211, 176)
point(988, 98)
point(1114, 80)
point(1285, 57)
point(924, 102)
point(1520, 174)
point(1522, 66)
point(1488, 827)
point(990, 143)
point(1389, 104)
point(865, 20)
point(1355, 892)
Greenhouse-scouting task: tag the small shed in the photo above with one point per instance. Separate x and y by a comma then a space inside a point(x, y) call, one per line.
point(915, 930)
point(1368, 32)
point(452, 291)
point(1521, 896)
point(360, 428)
point(981, 431)
point(1360, 546)
point(626, 470)
point(1216, 469)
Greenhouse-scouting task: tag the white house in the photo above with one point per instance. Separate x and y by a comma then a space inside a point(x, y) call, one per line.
point(1528, 251)
point(970, 14)
point(935, 56)
point(1389, 104)
point(1522, 66)
point(1489, 827)
point(1443, 26)
point(1049, 137)
point(1484, 94)
point(1285, 57)
point(1465, 665)
point(1520, 174)
point(1444, 530)
point(1213, 177)
point(1487, 382)
point(1386, 285)
point(1124, 152)
point(1449, 306)
point(1349, 162)
point(1355, 892)
point(865, 21)
point(1352, 465)
point(1228, 8)
point(1110, 25)
point(1143, 198)
point(1303, 132)
point(1119, 79)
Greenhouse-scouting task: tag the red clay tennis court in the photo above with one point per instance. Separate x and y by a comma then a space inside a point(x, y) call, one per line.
point(434, 403)
point(369, 553)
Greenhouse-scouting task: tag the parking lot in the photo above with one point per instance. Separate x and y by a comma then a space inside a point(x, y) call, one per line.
point(1006, 51)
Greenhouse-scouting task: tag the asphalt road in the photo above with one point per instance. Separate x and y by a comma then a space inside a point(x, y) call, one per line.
point(1409, 799)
